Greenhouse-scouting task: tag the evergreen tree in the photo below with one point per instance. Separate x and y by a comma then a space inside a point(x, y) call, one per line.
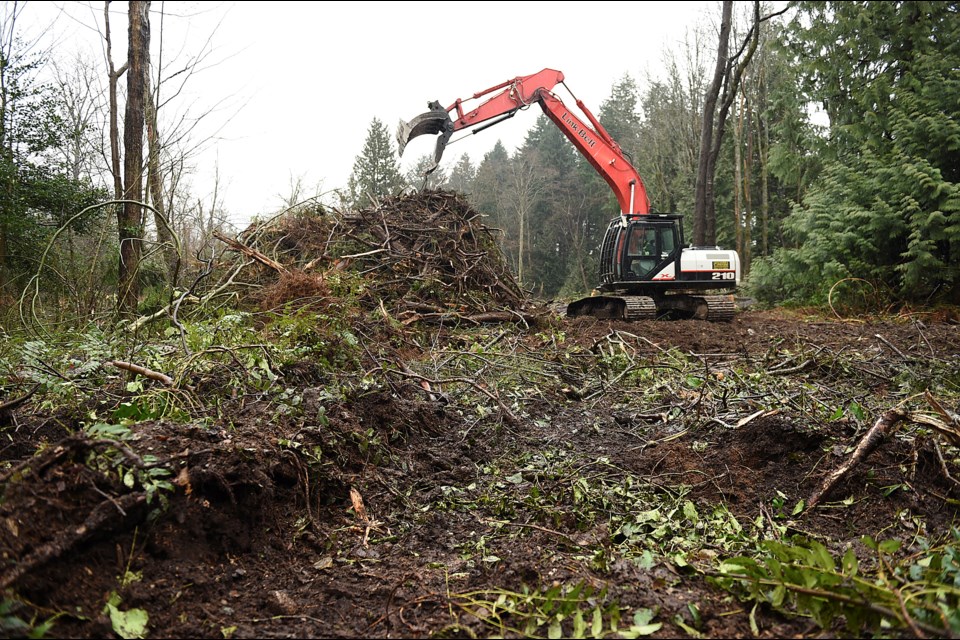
point(887, 206)
point(418, 178)
point(488, 197)
point(37, 195)
point(620, 116)
point(553, 217)
point(789, 144)
point(462, 176)
point(376, 171)
point(593, 204)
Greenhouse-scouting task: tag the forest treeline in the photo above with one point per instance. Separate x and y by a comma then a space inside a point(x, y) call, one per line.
point(838, 160)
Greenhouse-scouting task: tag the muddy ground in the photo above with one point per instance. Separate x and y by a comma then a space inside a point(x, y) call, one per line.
point(402, 512)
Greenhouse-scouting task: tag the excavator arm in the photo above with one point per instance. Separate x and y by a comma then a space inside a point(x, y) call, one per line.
point(506, 98)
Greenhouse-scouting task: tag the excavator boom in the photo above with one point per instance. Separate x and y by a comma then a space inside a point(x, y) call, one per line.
point(504, 100)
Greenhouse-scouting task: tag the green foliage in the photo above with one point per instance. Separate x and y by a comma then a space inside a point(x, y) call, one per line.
point(418, 178)
point(324, 339)
point(887, 205)
point(227, 351)
point(551, 197)
point(488, 195)
point(462, 176)
point(37, 194)
point(796, 144)
point(14, 626)
point(803, 577)
point(67, 368)
point(559, 611)
point(140, 475)
point(620, 116)
point(129, 624)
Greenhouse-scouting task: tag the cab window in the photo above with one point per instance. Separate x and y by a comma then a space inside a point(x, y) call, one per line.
point(667, 243)
point(643, 242)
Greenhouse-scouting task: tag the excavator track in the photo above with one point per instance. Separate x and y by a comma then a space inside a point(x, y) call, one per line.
point(614, 307)
point(639, 308)
point(720, 308)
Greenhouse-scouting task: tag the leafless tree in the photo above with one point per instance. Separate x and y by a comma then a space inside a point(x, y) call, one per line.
point(113, 78)
point(81, 100)
point(525, 189)
point(172, 124)
point(671, 132)
point(168, 243)
point(728, 72)
point(130, 215)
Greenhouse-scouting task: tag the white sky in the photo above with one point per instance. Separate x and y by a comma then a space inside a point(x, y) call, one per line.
point(297, 84)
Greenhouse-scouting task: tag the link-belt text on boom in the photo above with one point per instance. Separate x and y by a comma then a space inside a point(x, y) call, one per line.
point(580, 131)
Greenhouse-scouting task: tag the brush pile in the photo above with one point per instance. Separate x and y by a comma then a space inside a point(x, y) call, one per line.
point(421, 256)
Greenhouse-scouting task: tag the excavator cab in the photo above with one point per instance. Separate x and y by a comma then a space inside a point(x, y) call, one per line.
point(647, 272)
point(640, 250)
point(650, 247)
point(434, 121)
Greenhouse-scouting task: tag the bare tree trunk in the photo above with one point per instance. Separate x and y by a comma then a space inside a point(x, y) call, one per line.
point(763, 139)
point(522, 217)
point(7, 184)
point(704, 229)
point(747, 236)
point(130, 217)
point(738, 180)
point(727, 76)
point(113, 77)
point(155, 185)
point(527, 187)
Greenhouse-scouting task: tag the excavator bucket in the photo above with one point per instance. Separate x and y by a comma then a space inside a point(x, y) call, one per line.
point(437, 120)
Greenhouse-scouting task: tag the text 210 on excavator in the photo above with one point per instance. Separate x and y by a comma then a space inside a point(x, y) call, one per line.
point(646, 271)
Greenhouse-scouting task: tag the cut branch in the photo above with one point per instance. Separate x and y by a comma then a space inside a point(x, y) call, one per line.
point(509, 415)
point(143, 371)
point(883, 427)
point(250, 252)
point(10, 405)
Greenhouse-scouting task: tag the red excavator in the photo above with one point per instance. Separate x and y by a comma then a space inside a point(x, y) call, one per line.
point(646, 270)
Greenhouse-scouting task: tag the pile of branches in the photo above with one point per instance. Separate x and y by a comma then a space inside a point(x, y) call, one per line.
point(421, 256)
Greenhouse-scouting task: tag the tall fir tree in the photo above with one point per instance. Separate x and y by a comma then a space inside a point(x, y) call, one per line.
point(376, 171)
point(420, 176)
point(620, 116)
point(554, 214)
point(488, 197)
point(462, 176)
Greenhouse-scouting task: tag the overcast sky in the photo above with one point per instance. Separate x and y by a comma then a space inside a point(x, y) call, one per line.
point(294, 86)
